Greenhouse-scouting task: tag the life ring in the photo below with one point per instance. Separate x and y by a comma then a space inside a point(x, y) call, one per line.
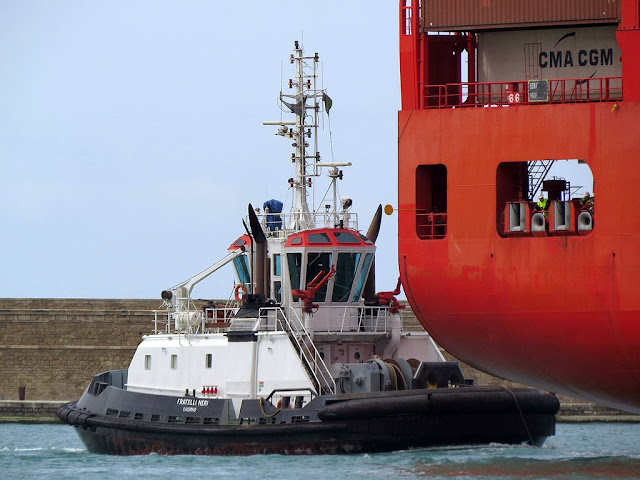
point(240, 288)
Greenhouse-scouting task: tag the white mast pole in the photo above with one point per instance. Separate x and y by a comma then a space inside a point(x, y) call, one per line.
point(301, 215)
point(301, 207)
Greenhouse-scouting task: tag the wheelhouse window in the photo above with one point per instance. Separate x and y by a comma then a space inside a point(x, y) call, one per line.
point(431, 201)
point(316, 263)
point(365, 239)
point(174, 361)
point(208, 360)
point(294, 261)
point(240, 242)
point(346, 237)
point(241, 265)
point(318, 238)
point(364, 271)
point(346, 268)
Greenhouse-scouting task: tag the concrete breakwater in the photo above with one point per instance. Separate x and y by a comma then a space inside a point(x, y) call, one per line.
point(51, 348)
point(42, 411)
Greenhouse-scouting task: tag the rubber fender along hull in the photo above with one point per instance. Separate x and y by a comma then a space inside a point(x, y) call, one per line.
point(340, 424)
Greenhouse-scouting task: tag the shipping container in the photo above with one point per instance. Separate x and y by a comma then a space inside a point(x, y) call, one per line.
point(582, 56)
point(581, 52)
point(479, 15)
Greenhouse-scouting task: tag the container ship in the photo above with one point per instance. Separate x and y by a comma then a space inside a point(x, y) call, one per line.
point(521, 273)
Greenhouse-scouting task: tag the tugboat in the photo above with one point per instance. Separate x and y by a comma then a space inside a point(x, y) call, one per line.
point(305, 357)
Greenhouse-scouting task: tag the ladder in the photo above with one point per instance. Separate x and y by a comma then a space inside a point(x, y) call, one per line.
point(309, 354)
point(537, 171)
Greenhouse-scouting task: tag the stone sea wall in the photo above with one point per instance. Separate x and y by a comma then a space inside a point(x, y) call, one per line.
point(51, 348)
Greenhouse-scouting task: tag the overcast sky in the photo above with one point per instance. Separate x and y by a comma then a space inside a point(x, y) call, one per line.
point(131, 136)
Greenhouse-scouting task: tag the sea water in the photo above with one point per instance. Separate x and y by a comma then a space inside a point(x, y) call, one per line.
point(577, 451)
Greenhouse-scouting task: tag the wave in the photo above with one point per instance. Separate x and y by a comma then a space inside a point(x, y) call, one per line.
point(509, 467)
point(42, 449)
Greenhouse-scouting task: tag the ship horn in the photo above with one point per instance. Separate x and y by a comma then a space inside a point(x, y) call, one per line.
point(260, 259)
point(369, 293)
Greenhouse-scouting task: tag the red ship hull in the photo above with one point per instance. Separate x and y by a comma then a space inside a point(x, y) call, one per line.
point(557, 312)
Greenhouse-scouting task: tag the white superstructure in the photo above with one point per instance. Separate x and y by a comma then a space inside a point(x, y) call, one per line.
point(297, 324)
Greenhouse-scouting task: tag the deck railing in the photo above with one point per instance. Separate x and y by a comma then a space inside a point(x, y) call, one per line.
point(335, 319)
point(431, 225)
point(211, 320)
point(501, 94)
point(355, 319)
point(284, 224)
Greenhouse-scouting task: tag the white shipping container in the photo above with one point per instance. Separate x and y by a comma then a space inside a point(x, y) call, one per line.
point(557, 53)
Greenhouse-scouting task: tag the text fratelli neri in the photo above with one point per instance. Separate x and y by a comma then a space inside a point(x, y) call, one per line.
point(191, 404)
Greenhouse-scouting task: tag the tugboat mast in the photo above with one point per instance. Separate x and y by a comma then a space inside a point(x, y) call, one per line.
point(306, 78)
point(305, 104)
point(306, 156)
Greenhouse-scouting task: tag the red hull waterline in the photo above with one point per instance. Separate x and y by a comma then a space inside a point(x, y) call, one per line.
point(558, 311)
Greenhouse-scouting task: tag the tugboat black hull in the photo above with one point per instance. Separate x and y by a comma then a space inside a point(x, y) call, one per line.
point(334, 424)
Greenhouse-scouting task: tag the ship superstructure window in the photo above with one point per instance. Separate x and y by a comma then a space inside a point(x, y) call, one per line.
point(431, 201)
point(539, 198)
point(346, 268)
point(241, 264)
point(317, 262)
point(346, 237)
point(364, 239)
point(174, 361)
point(240, 242)
point(294, 261)
point(277, 273)
point(362, 276)
point(318, 238)
point(147, 362)
point(208, 360)
point(277, 269)
point(277, 290)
